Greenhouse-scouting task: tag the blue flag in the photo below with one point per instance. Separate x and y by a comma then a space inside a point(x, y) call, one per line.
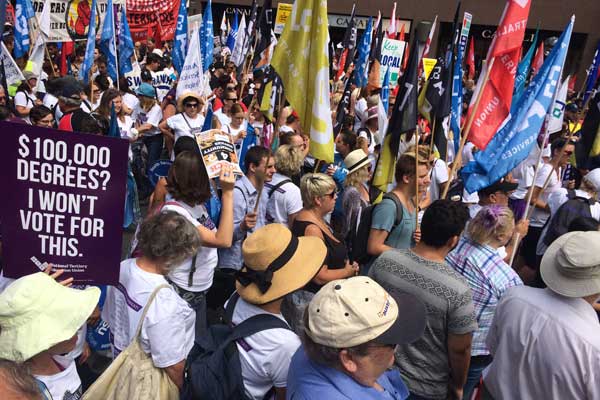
point(181, 38)
point(362, 69)
point(113, 125)
point(233, 32)
point(385, 90)
point(107, 41)
point(207, 37)
point(208, 119)
point(21, 38)
point(29, 11)
point(88, 59)
point(249, 141)
point(522, 73)
point(125, 45)
point(592, 75)
point(456, 107)
point(513, 143)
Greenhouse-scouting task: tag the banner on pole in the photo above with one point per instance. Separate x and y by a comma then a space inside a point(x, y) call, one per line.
point(66, 202)
point(284, 11)
point(392, 52)
point(428, 64)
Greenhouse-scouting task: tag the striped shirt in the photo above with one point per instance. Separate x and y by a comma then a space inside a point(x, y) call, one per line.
point(489, 277)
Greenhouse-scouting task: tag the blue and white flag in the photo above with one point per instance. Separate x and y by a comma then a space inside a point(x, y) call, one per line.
point(362, 68)
point(233, 32)
point(208, 118)
point(592, 75)
point(21, 35)
point(180, 45)
point(249, 141)
point(457, 84)
point(125, 45)
point(207, 37)
point(385, 90)
point(88, 59)
point(513, 143)
point(107, 43)
point(522, 73)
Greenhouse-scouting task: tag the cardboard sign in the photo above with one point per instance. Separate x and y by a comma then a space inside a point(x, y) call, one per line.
point(428, 64)
point(392, 52)
point(65, 203)
point(283, 13)
point(217, 149)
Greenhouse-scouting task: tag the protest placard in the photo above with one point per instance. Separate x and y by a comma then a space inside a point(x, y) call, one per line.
point(284, 11)
point(63, 204)
point(391, 56)
point(217, 149)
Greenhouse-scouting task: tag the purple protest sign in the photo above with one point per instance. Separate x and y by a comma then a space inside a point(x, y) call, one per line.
point(62, 203)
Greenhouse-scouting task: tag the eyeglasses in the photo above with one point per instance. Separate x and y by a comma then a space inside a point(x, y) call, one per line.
point(191, 105)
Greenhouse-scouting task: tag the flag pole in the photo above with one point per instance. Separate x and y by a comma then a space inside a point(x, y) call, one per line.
point(115, 44)
point(467, 129)
point(416, 175)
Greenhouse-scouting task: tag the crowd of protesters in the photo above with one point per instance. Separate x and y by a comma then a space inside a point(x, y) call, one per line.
point(449, 298)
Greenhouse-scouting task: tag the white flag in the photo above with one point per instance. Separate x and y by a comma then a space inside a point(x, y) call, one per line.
point(557, 112)
point(237, 55)
point(37, 54)
point(191, 78)
point(13, 74)
point(44, 19)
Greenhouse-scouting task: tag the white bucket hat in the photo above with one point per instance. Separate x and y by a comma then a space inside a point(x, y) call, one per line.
point(571, 265)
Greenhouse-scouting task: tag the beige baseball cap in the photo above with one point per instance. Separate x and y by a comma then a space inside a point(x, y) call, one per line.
point(349, 312)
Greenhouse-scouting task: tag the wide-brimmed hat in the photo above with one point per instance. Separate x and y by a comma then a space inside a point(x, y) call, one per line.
point(276, 263)
point(188, 95)
point(36, 313)
point(349, 312)
point(355, 160)
point(571, 264)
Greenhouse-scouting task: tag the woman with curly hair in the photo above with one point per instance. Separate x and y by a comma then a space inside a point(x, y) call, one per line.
point(356, 192)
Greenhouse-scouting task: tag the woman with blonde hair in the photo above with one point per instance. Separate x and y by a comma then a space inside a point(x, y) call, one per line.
point(285, 200)
point(148, 115)
point(356, 192)
point(476, 258)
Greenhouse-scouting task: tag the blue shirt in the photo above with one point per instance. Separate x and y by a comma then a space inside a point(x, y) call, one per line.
point(244, 200)
point(309, 380)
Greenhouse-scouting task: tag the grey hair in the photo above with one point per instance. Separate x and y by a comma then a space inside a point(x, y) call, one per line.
point(70, 101)
point(19, 380)
point(169, 238)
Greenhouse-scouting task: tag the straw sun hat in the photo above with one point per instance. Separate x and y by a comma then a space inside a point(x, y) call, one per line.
point(276, 263)
point(187, 95)
point(36, 313)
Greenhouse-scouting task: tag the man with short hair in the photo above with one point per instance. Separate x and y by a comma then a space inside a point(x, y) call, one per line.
point(545, 342)
point(351, 328)
point(69, 102)
point(385, 234)
point(435, 366)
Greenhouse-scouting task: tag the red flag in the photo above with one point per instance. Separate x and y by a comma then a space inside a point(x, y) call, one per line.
point(571, 87)
point(341, 63)
point(402, 33)
point(538, 60)
point(471, 58)
point(66, 51)
point(427, 46)
point(405, 61)
point(497, 93)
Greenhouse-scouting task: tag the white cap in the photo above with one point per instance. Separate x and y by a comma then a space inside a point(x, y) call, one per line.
point(593, 179)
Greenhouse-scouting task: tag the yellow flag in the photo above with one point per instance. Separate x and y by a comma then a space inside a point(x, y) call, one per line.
point(301, 58)
point(386, 165)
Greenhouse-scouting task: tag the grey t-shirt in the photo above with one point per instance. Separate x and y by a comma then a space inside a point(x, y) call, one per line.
point(384, 216)
point(424, 364)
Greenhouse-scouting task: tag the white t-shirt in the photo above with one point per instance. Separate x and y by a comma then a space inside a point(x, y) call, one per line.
point(234, 132)
point(168, 329)
point(183, 125)
point(284, 201)
point(125, 127)
point(539, 217)
point(223, 118)
point(523, 173)
point(265, 356)
point(360, 113)
point(207, 258)
point(24, 99)
point(66, 384)
point(439, 176)
point(152, 117)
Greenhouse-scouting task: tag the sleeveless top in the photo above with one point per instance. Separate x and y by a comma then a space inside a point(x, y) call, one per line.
point(336, 251)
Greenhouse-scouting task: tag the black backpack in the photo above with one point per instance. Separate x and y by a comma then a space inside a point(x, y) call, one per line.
point(558, 224)
point(212, 369)
point(360, 237)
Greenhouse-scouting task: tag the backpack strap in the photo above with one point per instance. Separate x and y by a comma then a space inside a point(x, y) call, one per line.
point(255, 324)
point(280, 184)
point(399, 210)
point(147, 307)
point(231, 306)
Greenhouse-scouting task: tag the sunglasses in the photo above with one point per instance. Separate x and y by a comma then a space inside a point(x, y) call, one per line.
point(234, 99)
point(191, 105)
point(568, 152)
point(332, 194)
